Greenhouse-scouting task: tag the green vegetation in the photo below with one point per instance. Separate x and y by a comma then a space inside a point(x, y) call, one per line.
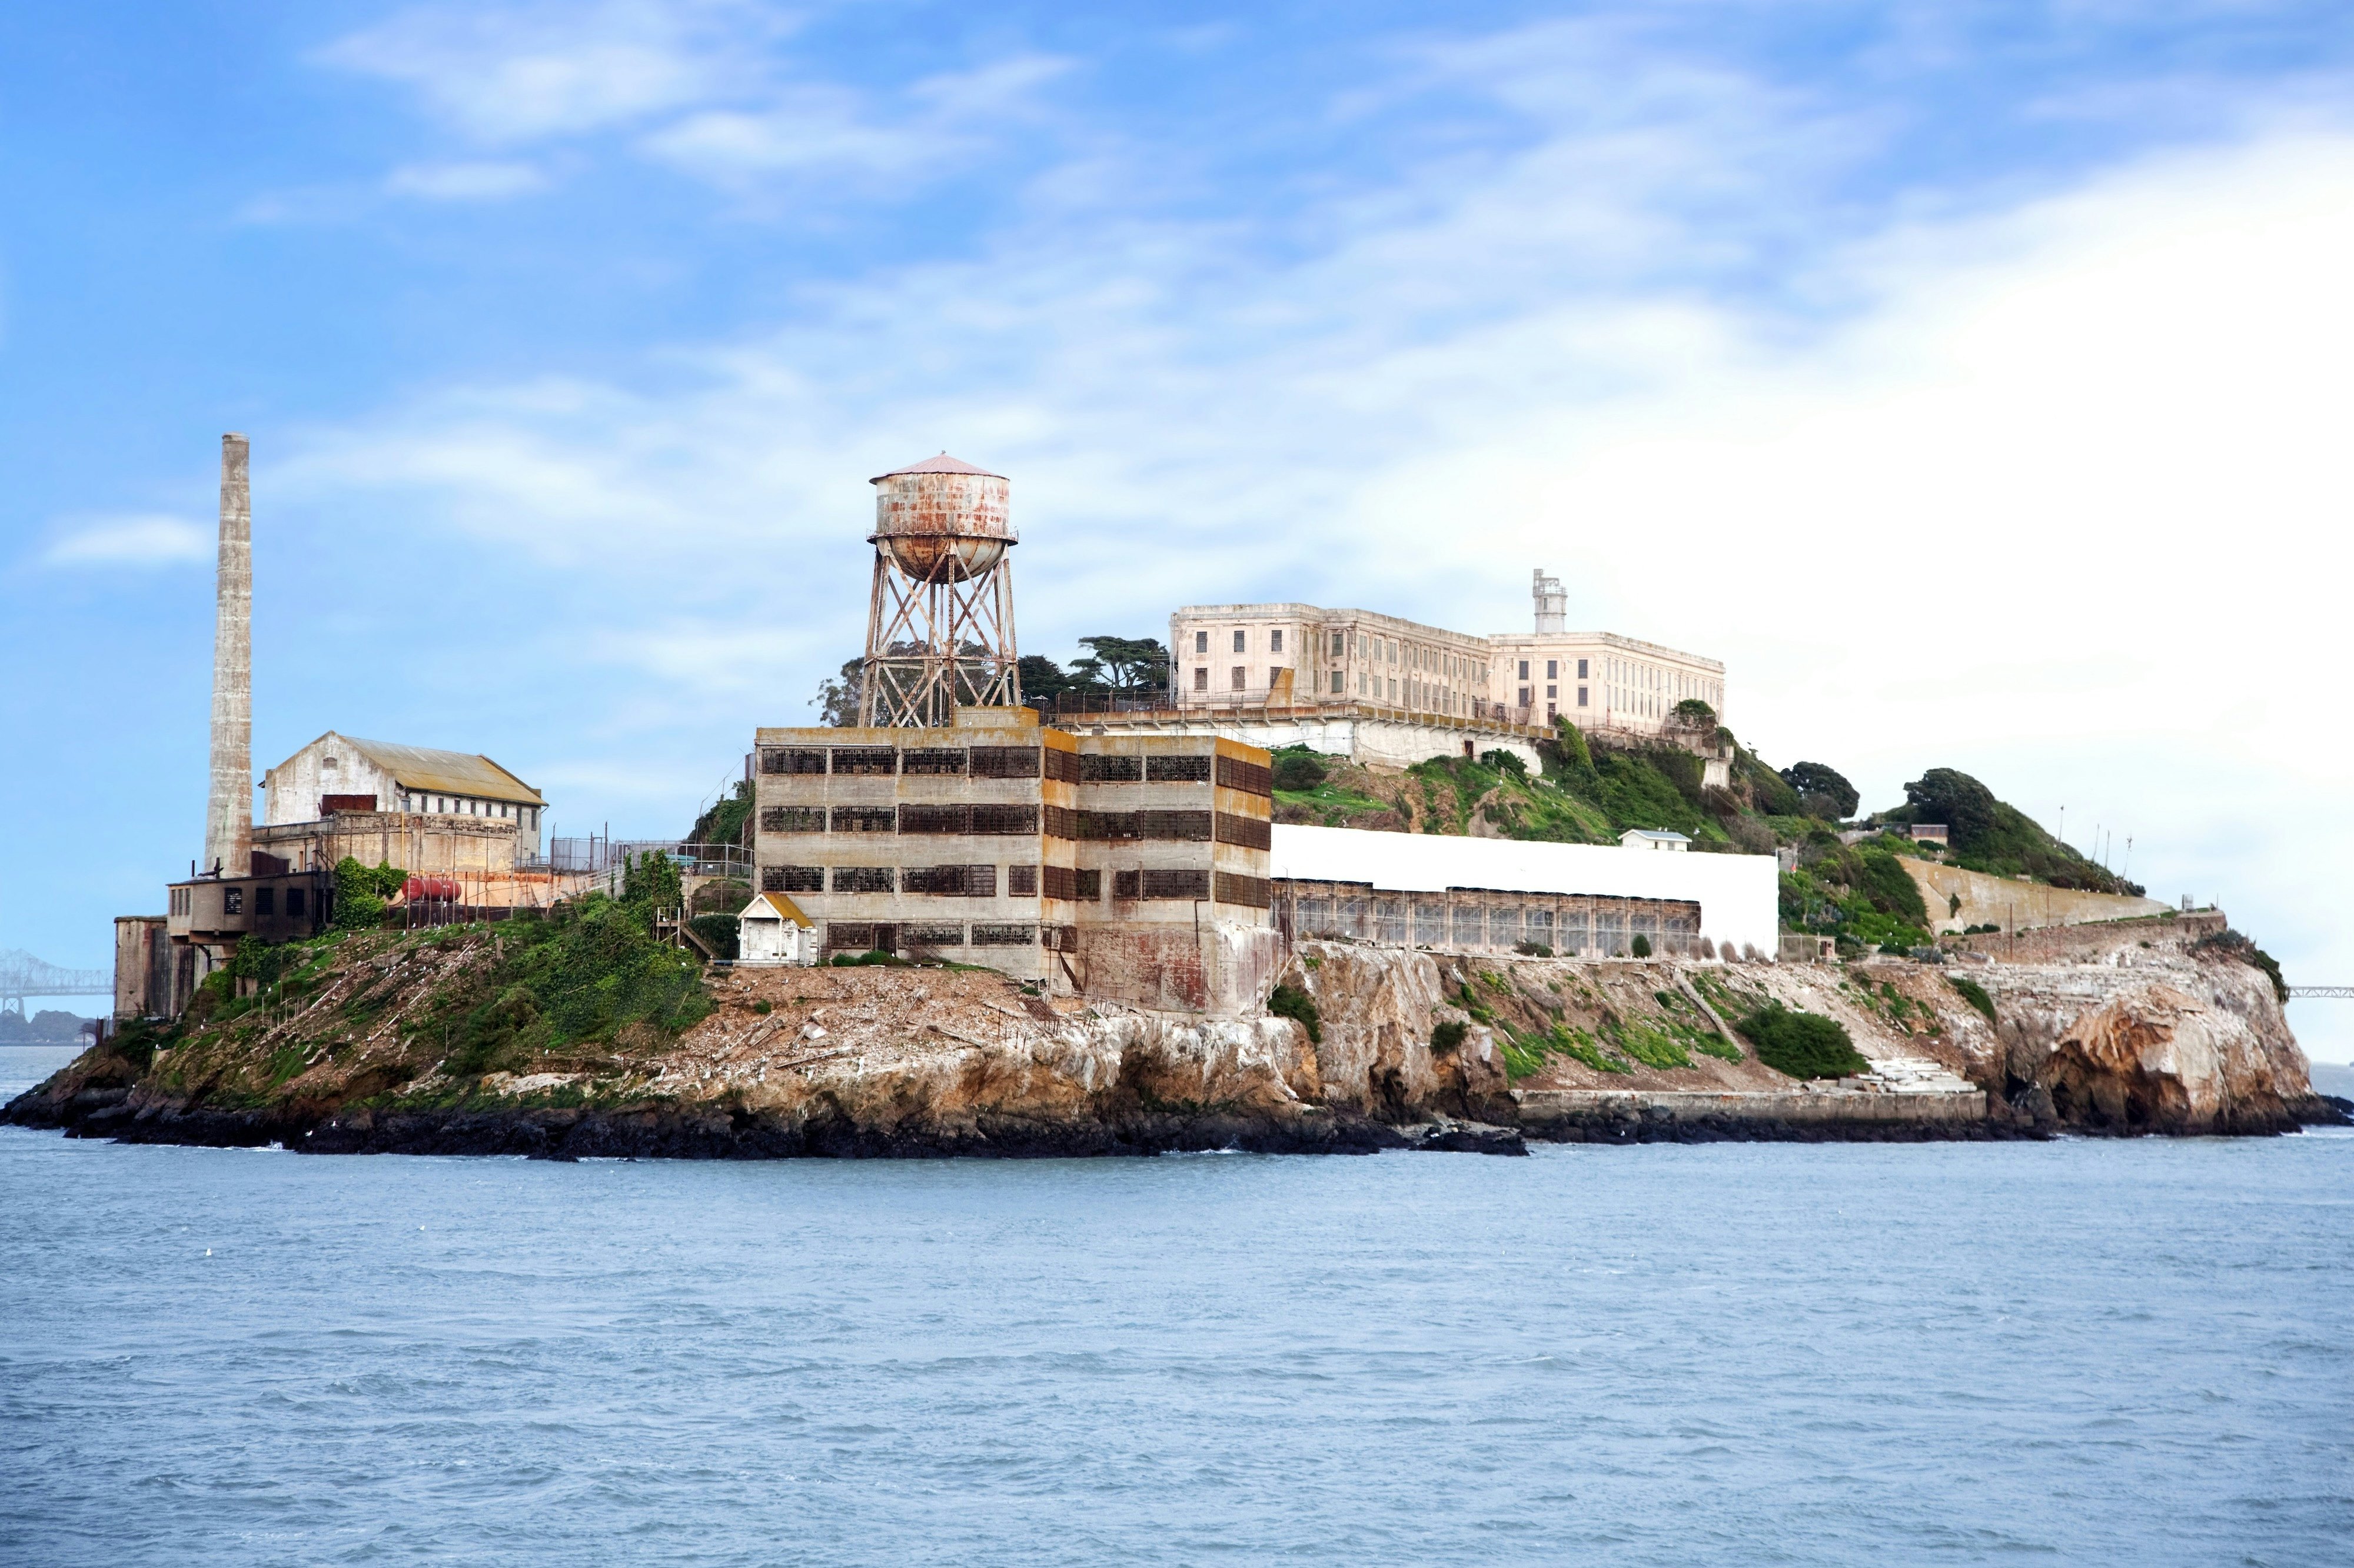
point(1640, 947)
point(1448, 1036)
point(1990, 836)
point(873, 957)
point(1298, 769)
point(1822, 790)
point(361, 893)
point(589, 971)
point(1801, 1044)
point(726, 820)
point(1973, 993)
point(1289, 1001)
point(718, 933)
point(1526, 1053)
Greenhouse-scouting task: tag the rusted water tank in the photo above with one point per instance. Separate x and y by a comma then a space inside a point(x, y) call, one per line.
point(419, 888)
point(943, 521)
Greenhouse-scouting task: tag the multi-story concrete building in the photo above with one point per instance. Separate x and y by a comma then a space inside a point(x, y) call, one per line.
point(1305, 657)
point(1130, 867)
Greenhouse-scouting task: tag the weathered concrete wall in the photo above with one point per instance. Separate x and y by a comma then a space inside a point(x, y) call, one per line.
point(142, 966)
point(2001, 901)
point(1225, 969)
point(228, 810)
point(1541, 1108)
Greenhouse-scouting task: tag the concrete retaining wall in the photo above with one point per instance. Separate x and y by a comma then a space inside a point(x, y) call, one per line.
point(2001, 901)
point(1540, 1107)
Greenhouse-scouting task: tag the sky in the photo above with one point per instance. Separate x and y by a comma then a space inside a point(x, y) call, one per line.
point(1973, 381)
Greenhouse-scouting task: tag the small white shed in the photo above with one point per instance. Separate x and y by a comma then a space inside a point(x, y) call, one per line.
point(771, 929)
point(1651, 839)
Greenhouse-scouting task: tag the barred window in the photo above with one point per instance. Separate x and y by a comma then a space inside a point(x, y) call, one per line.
point(1186, 827)
point(935, 819)
point(805, 759)
point(1062, 765)
point(1250, 832)
point(1086, 887)
point(1005, 762)
point(1179, 769)
point(792, 879)
point(1004, 935)
point(863, 819)
point(1005, 820)
point(1248, 777)
point(1429, 921)
point(1176, 884)
point(1062, 882)
point(1128, 884)
point(841, 934)
point(932, 935)
point(951, 881)
point(1060, 821)
point(1021, 881)
point(773, 761)
point(792, 819)
point(1112, 825)
point(864, 760)
point(1248, 891)
point(1059, 938)
point(1390, 920)
point(864, 879)
point(933, 761)
point(1110, 768)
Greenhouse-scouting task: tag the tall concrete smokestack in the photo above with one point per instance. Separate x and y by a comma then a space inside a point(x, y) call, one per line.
point(228, 815)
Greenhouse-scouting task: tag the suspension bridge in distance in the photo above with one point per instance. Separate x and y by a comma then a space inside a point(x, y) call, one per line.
point(22, 975)
point(2297, 992)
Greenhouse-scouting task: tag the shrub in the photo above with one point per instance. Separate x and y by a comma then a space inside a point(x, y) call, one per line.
point(1448, 1036)
point(1300, 769)
point(1533, 950)
point(1289, 1001)
point(764, 1007)
point(1801, 1044)
point(361, 892)
point(1640, 947)
point(718, 932)
point(1502, 761)
point(1973, 993)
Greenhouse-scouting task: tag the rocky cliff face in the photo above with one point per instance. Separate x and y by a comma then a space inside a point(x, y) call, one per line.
point(2122, 1032)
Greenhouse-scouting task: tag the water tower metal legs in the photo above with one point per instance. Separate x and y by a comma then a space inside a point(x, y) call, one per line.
point(935, 647)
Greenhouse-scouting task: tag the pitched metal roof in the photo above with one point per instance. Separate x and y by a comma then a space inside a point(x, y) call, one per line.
point(451, 772)
point(778, 906)
point(940, 464)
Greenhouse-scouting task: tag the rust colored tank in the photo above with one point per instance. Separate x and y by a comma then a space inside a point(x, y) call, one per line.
point(942, 520)
point(422, 887)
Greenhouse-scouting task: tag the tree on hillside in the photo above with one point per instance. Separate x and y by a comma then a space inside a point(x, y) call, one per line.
point(837, 699)
point(1823, 791)
point(1121, 666)
point(1966, 805)
point(1043, 679)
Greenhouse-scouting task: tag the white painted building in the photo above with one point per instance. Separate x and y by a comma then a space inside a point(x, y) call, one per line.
point(1438, 891)
point(771, 930)
point(1651, 839)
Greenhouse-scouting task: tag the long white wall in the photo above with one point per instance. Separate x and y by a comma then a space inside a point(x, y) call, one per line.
point(1738, 894)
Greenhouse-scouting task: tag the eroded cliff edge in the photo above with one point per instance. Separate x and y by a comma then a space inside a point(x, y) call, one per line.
point(2131, 1029)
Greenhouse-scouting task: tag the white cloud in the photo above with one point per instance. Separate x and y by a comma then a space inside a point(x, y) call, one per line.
point(139, 541)
point(465, 180)
point(517, 73)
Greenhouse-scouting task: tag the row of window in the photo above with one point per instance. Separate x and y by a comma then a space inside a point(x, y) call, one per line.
point(464, 806)
point(845, 936)
point(1010, 821)
point(265, 901)
point(1021, 881)
point(1015, 762)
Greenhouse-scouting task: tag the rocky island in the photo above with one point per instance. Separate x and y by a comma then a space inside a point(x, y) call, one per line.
point(578, 1035)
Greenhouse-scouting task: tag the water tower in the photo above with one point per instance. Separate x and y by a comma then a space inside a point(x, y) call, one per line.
point(940, 627)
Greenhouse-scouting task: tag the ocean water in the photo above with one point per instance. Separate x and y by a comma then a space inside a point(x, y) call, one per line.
point(2076, 1352)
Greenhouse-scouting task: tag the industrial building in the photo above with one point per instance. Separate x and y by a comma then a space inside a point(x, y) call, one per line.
point(1384, 689)
point(1490, 896)
point(953, 823)
point(461, 818)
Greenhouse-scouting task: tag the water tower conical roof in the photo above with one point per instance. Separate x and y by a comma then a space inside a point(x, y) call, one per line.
point(940, 464)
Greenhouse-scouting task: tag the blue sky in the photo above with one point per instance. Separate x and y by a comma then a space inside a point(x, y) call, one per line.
point(1966, 377)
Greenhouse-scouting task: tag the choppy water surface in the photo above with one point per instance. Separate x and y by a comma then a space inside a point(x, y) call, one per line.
point(2087, 1352)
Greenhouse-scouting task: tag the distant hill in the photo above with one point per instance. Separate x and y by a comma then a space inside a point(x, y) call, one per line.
point(46, 1027)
